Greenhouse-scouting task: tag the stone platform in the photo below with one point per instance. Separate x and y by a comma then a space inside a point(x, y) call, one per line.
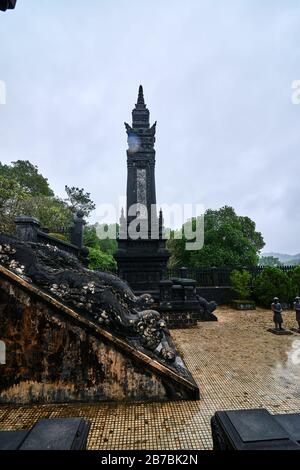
point(295, 330)
point(279, 332)
point(236, 363)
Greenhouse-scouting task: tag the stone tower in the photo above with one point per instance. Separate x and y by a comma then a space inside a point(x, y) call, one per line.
point(142, 256)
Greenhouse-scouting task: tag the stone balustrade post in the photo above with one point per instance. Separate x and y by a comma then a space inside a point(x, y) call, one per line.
point(27, 228)
point(184, 273)
point(77, 230)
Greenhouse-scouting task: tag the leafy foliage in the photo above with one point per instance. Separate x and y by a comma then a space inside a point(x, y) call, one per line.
point(27, 176)
point(92, 240)
point(24, 191)
point(11, 197)
point(269, 261)
point(273, 282)
point(52, 212)
point(100, 260)
point(229, 240)
point(79, 200)
point(100, 256)
point(240, 281)
point(296, 279)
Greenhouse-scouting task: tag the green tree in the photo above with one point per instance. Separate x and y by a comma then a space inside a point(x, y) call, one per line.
point(269, 261)
point(296, 280)
point(79, 200)
point(176, 246)
point(90, 238)
point(240, 281)
point(28, 177)
point(107, 245)
point(273, 282)
point(23, 190)
point(51, 212)
point(229, 240)
point(11, 197)
point(100, 255)
point(100, 260)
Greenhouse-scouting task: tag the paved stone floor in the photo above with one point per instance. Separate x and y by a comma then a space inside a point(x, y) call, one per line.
point(237, 364)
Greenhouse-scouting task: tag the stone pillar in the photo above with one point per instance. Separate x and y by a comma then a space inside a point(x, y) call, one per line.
point(184, 273)
point(215, 276)
point(77, 230)
point(27, 228)
point(165, 290)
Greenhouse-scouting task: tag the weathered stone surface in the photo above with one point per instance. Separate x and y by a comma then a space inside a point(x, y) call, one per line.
point(180, 304)
point(254, 430)
point(75, 334)
point(48, 434)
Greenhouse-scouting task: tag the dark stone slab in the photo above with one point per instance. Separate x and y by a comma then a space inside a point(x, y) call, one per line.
point(296, 330)
point(12, 440)
point(57, 434)
point(251, 430)
point(290, 422)
point(256, 425)
point(279, 332)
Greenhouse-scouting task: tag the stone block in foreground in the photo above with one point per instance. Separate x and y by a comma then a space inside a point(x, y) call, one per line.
point(255, 430)
point(48, 434)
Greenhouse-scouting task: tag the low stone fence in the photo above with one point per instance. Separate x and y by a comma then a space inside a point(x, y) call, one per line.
point(218, 277)
point(28, 229)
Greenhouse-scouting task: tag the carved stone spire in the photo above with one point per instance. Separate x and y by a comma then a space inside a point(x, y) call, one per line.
point(140, 101)
point(122, 226)
point(140, 114)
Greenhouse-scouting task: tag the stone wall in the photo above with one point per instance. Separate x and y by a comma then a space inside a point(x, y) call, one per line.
point(221, 295)
point(180, 319)
point(53, 356)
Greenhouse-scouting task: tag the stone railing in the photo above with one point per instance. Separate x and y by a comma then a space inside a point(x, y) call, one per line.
point(28, 229)
point(217, 276)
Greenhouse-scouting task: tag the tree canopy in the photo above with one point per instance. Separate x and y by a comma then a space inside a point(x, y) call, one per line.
point(269, 261)
point(79, 200)
point(229, 240)
point(100, 251)
point(25, 191)
point(28, 177)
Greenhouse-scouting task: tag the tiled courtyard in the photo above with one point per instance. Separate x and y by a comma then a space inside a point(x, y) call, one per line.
point(237, 364)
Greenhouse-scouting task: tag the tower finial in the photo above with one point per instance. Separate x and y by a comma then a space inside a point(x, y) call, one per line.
point(141, 100)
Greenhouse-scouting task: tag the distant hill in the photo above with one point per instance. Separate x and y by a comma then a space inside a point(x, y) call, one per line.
point(284, 258)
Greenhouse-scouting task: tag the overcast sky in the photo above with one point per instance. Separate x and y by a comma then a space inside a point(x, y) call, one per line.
point(217, 77)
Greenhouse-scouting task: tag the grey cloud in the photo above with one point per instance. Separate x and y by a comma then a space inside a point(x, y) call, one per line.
point(216, 76)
